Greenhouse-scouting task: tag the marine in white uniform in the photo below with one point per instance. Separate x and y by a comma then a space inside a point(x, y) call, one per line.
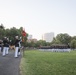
point(19, 50)
point(4, 46)
point(16, 46)
point(7, 45)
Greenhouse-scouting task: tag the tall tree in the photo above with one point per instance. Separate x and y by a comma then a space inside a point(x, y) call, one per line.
point(2, 31)
point(73, 44)
point(64, 38)
point(1, 26)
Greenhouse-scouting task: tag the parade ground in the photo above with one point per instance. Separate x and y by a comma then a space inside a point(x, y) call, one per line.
point(35, 62)
point(9, 65)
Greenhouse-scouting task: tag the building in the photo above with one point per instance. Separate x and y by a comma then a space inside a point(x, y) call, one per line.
point(48, 37)
point(30, 39)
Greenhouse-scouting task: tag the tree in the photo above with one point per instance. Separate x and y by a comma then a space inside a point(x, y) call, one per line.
point(1, 26)
point(2, 31)
point(55, 41)
point(73, 44)
point(64, 38)
point(74, 37)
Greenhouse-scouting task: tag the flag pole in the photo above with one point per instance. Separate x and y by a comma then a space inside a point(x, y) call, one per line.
point(23, 35)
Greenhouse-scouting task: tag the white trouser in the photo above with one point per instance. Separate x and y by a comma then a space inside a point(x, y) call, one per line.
point(0, 49)
point(7, 50)
point(4, 51)
point(19, 52)
point(16, 51)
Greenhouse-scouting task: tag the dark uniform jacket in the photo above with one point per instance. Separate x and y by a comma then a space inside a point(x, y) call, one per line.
point(16, 42)
point(0, 43)
point(5, 42)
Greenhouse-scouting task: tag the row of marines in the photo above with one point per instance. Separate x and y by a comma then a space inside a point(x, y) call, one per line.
point(6, 43)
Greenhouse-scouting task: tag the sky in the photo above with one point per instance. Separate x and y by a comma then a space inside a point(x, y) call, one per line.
point(39, 16)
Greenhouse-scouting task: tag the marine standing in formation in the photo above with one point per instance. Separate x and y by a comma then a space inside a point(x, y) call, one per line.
point(5, 43)
point(19, 46)
point(17, 40)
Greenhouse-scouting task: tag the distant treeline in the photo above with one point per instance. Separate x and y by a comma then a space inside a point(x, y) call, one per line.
point(11, 33)
point(62, 38)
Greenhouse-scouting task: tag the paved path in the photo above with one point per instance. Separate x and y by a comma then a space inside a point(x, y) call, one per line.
point(9, 65)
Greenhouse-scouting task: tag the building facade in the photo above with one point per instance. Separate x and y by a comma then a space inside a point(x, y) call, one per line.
point(30, 39)
point(48, 37)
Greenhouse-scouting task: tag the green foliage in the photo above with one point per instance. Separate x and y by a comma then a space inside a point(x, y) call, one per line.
point(55, 41)
point(74, 37)
point(73, 44)
point(42, 42)
point(2, 33)
point(64, 38)
point(59, 39)
point(11, 33)
point(1, 26)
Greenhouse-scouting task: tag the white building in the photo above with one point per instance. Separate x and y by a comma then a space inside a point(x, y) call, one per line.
point(29, 37)
point(48, 37)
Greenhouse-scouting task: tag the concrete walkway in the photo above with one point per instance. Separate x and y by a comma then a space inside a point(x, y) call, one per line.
point(9, 65)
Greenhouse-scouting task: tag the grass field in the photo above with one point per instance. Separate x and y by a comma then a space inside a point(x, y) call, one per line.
point(35, 62)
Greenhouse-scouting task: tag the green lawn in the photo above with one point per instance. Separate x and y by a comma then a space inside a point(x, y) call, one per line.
point(36, 62)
